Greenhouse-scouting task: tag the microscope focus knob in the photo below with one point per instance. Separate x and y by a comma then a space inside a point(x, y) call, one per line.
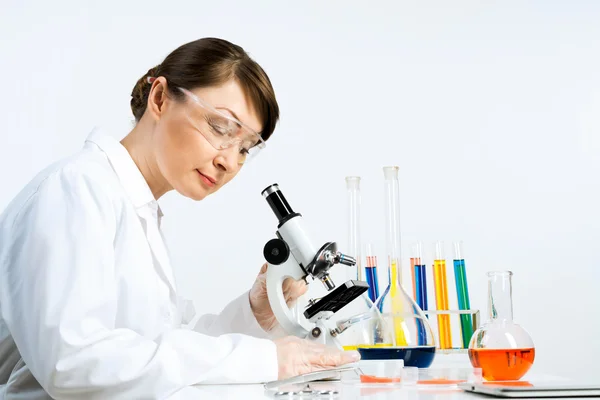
point(276, 251)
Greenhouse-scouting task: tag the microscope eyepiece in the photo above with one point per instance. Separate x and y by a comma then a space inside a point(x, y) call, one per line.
point(270, 189)
point(282, 209)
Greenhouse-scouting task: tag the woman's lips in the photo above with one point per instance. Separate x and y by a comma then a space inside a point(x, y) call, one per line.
point(207, 179)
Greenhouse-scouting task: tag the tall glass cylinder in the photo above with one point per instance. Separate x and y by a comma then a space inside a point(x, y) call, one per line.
point(354, 239)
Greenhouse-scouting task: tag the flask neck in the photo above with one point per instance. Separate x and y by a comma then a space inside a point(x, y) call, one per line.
point(500, 296)
point(392, 222)
point(394, 272)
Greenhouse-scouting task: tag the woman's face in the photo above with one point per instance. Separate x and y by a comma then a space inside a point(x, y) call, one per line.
point(185, 157)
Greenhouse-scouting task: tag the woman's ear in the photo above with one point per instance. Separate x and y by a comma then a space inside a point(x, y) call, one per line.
point(157, 97)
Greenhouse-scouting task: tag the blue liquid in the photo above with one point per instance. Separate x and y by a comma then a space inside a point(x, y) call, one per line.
point(384, 298)
point(420, 357)
point(371, 273)
point(421, 294)
point(421, 286)
point(421, 332)
point(462, 292)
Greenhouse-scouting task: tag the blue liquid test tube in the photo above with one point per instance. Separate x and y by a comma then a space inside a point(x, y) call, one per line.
point(371, 273)
point(420, 285)
point(420, 275)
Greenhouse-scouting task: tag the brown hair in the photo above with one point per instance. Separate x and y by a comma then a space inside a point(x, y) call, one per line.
point(210, 62)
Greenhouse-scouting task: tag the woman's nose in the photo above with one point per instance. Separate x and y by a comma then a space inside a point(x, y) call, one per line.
point(227, 159)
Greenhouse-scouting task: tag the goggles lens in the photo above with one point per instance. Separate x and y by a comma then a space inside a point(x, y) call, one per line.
point(223, 131)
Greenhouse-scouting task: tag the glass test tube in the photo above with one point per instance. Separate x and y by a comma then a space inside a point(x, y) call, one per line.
point(441, 296)
point(462, 291)
point(353, 188)
point(392, 211)
point(413, 262)
point(419, 285)
point(420, 275)
point(371, 273)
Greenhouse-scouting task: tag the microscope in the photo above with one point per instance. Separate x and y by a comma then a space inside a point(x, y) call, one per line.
point(294, 255)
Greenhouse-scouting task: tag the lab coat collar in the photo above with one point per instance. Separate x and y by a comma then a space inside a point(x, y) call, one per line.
point(141, 196)
point(129, 174)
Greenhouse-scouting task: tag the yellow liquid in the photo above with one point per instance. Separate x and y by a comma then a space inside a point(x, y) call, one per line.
point(367, 346)
point(397, 307)
point(441, 300)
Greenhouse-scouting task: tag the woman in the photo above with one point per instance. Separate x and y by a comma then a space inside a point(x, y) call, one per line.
point(89, 308)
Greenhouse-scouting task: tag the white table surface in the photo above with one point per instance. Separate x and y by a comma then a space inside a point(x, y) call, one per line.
point(345, 391)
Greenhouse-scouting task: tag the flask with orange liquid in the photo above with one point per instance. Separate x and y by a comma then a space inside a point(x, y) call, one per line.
point(500, 347)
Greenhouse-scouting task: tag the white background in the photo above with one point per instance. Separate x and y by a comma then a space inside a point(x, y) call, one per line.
point(490, 109)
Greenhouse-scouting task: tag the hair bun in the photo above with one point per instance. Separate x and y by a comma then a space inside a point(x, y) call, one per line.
point(140, 92)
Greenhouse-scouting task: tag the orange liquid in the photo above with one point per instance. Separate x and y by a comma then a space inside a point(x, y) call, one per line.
point(413, 262)
point(377, 379)
point(441, 300)
point(502, 364)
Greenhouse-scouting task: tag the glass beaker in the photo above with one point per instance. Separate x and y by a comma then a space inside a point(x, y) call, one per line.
point(375, 335)
point(500, 347)
point(395, 328)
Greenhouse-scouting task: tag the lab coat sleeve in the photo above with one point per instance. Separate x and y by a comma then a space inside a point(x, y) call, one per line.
point(59, 299)
point(236, 317)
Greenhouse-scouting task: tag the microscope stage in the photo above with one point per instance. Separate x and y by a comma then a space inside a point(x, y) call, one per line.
point(338, 298)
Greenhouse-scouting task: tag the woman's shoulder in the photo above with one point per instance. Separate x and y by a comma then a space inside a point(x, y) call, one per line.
point(85, 178)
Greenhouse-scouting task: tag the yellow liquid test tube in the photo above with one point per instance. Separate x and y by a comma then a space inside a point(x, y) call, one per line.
point(441, 296)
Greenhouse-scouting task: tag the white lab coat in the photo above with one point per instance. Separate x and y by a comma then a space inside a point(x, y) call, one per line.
point(89, 307)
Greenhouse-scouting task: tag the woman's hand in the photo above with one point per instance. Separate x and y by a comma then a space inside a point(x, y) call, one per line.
point(259, 301)
point(297, 356)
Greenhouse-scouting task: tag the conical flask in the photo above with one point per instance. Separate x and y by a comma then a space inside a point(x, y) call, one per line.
point(500, 347)
point(405, 331)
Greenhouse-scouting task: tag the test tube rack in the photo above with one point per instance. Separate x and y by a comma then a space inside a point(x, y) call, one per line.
point(475, 318)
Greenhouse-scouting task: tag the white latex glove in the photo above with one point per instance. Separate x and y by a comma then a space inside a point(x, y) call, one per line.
point(259, 300)
point(297, 356)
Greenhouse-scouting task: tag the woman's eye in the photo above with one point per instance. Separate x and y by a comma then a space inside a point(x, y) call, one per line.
point(218, 126)
point(218, 129)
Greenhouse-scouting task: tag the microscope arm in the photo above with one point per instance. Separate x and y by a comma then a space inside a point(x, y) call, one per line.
point(276, 275)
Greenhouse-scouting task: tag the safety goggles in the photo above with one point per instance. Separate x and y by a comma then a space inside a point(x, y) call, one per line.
point(223, 131)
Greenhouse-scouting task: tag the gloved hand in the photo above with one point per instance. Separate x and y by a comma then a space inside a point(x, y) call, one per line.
point(259, 301)
point(297, 356)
